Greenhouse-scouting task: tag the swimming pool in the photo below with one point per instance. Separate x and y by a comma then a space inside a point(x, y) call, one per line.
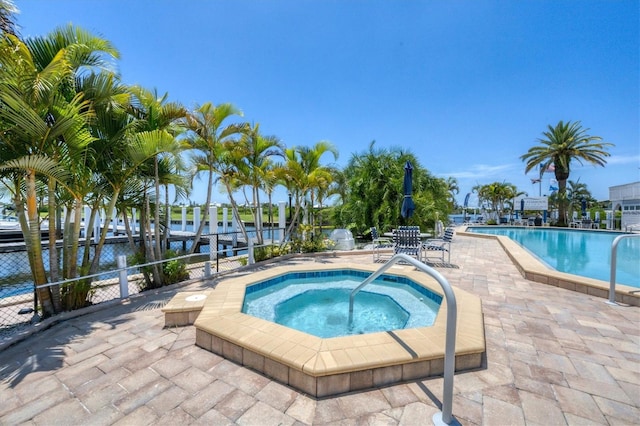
point(579, 252)
point(318, 303)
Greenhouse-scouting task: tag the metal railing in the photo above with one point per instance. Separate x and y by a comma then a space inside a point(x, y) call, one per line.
point(614, 261)
point(450, 332)
point(116, 279)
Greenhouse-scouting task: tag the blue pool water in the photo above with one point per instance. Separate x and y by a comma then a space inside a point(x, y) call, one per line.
point(578, 252)
point(318, 303)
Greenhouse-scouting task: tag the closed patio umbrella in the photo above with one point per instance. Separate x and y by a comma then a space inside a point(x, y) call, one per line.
point(583, 205)
point(522, 208)
point(407, 202)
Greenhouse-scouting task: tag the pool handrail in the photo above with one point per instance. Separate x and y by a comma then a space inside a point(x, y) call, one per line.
point(614, 258)
point(450, 331)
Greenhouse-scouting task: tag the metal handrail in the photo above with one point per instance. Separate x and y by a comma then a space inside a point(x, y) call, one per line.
point(614, 260)
point(450, 333)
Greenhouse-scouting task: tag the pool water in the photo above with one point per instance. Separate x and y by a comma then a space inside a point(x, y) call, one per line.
point(578, 252)
point(319, 305)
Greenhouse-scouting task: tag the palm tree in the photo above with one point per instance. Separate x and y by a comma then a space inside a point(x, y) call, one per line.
point(497, 195)
point(207, 132)
point(302, 174)
point(453, 190)
point(37, 119)
point(158, 122)
point(576, 192)
point(254, 152)
point(559, 146)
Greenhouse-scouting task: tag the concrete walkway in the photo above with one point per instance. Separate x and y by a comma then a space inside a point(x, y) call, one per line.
point(554, 357)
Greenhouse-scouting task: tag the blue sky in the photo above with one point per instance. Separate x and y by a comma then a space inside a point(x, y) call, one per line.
point(467, 86)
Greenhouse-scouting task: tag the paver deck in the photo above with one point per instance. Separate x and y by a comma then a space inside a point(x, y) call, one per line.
point(554, 356)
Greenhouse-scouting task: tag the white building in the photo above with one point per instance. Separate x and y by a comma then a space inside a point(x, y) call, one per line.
point(626, 199)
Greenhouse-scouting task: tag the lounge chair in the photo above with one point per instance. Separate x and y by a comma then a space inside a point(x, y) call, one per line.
point(406, 240)
point(435, 249)
point(379, 244)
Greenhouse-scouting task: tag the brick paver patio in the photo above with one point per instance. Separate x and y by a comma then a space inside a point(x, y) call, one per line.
point(554, 357)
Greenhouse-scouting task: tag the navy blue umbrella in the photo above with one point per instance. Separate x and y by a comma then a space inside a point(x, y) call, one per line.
point(407, 203)
point(522, 207)
point(583, 204)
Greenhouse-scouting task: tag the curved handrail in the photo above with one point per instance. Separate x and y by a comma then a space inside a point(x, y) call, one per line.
point(614, 261)
point(450, 333)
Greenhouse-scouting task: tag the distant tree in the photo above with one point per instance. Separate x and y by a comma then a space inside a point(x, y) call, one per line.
point(373, 194)
point(497, 195)
point(558, 147)
point(453, 189)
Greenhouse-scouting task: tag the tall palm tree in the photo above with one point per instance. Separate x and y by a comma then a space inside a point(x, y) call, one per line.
point(255, 151)
point(559, 146)
point(302, 174)
point(158, 121)
point(207, 132)
point(44, 131)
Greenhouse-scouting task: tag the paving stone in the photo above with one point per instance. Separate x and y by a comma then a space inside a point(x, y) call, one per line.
point(265, 415)
point(539, 410)
point(27, 392)
point(140, 397)
point(167, 400)
point(276, 395)
point(140, 417)
point(622, 413)
point(70, 411)
point(192, 379)
point(303, 409)
point(235, 404)
point(579, 403)
point(31, 409)
point(606, 390)
point(176, 416)
point(100, 399)
point(139, 379)
point(169, 367)
point(247, 380)
point(213, 417)
point(207, 398)
point(327, 411)
point(498, 412)
point(399, 396)
point(358, 404)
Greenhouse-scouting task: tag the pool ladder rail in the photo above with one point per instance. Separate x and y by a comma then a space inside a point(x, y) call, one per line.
point(444, 417)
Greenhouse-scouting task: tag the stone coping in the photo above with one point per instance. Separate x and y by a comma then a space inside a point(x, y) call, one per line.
point(534, 270)
point(184, 308)
point(222, 328)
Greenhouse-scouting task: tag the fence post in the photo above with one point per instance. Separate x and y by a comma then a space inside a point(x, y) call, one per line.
point(250, 260)
point(207, 269)
point(124, 279)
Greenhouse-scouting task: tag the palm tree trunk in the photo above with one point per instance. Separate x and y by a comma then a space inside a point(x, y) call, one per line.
point(95, 264)
point(205, 214)
point(167, 219)
point(54, 262)
point(34, 248)
point(258, 215)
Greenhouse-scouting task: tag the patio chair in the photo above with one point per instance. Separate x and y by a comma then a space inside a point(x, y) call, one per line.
point(406, 240)
point(435, 248)
point(379, 244)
